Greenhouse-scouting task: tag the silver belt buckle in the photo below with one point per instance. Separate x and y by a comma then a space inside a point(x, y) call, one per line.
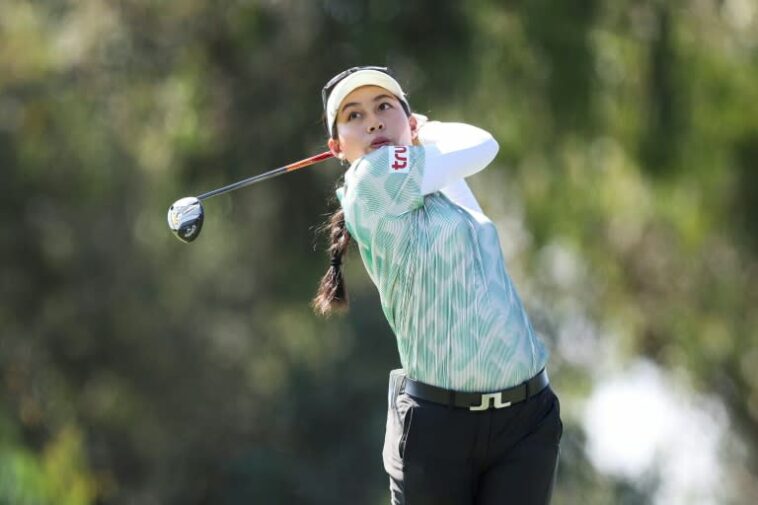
point(487, 399)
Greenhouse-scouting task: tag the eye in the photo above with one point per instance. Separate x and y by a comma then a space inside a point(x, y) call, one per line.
point(353, 115)
point(385, 106)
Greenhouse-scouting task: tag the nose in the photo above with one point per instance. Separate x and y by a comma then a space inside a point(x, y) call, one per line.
point(376, 126)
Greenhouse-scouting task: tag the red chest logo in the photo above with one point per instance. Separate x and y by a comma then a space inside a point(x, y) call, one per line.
point(399, 159)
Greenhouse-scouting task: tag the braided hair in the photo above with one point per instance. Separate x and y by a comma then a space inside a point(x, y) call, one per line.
point(332, 293)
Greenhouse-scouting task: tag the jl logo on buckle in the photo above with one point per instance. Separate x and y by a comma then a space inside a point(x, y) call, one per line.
point(498, 404)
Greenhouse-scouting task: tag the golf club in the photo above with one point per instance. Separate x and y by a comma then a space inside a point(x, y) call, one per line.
point(185, 216)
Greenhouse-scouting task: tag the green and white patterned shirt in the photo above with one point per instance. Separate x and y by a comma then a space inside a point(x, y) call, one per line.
point(437, 263)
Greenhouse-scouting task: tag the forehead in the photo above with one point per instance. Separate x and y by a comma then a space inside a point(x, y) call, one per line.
point(365, 95)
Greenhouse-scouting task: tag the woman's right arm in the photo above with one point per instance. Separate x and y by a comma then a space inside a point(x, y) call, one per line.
point(453, 151)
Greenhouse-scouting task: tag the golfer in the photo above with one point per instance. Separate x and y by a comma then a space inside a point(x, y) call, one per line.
point(472, 418)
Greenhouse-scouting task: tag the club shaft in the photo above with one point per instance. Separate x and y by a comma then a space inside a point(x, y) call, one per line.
point(268, 175)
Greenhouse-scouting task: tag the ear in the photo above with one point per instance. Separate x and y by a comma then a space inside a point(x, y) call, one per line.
point(335, 148)
point(413, 122)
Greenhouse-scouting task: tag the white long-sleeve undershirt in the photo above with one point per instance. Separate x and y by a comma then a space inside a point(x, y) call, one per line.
point(455, 151)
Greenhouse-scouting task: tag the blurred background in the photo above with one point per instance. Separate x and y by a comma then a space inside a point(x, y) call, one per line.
point(139, 370)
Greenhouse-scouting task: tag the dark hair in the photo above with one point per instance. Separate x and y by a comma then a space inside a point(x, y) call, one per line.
point(332, 294)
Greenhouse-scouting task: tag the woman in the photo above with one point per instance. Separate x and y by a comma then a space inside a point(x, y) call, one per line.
point(472, 419)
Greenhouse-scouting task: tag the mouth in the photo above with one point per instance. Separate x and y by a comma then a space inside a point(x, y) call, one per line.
point(380, 142)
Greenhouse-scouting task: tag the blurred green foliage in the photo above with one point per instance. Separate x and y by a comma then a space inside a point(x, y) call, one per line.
point(139, 370)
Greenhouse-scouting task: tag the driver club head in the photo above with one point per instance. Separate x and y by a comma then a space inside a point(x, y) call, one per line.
point(185, 218)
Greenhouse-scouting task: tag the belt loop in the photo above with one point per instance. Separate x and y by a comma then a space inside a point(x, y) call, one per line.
point(527, 389)
point(450, 399)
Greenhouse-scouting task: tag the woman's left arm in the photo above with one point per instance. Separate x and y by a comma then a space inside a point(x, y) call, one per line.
point(454, 151)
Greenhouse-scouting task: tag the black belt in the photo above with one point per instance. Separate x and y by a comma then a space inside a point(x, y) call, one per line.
point(478, 401)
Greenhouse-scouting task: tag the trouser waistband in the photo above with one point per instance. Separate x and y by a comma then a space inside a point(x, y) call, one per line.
point(478, 401)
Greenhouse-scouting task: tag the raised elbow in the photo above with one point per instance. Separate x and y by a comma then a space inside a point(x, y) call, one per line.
point(490, 147)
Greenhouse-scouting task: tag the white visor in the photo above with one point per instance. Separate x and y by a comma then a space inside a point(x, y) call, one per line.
point(354, 81)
